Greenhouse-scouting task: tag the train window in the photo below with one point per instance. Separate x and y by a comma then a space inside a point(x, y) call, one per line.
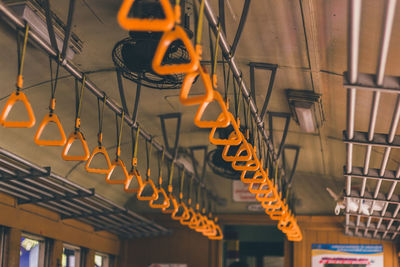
point(32, 251)
point(71, 256)
point(101, 260)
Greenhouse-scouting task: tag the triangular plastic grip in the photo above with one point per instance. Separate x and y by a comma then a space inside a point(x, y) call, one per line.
point(250, 165)
point(244, 147)
point(219, 235)
point(138, 24)
point(187, 86)
point(173, 205)
point(50, 117)
point(134, 174)
point(191, 214)
point(195, 220)
point(98, 150)
point(202, 226)
point(15, 97)
point(182, 213)
point(234, 139)
point(76, 135)
point(212, 229)
point(117, 163)
point(164, 204)
point(271, 196)
point(153, 196)
point(258, 177)
point(206, 226)
point(221, 122)
point(273, 204)
point(168, 37)
point(263, 188)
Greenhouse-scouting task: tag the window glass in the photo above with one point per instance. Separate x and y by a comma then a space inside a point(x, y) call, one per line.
point(100, 260)
point(70, 256)
point(31, 252)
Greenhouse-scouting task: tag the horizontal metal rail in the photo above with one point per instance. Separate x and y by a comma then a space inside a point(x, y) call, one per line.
point(69, 200)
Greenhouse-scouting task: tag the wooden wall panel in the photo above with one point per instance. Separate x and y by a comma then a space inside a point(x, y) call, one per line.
point(37, 220)
point(329, 230)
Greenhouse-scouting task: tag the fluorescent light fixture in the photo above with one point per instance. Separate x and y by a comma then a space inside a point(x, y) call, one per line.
point(302, 105)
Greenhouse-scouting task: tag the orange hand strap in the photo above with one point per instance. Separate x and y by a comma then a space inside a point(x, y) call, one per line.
point(15, 97)
point(168, 37)
point(137, 24)
point(124, 179)
point(50, 117)
point(76, 135)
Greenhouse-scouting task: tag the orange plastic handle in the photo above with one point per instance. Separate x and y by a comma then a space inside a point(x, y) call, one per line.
point(153, 196)
point(263, 188)
point(258, 177)
point(14, 97)
point(195, 221)
point(187, 85)
point(117, 162)
point(212, 229)
point(172, 207)
point(76, 135)
point(202, 226)
point(50, 117)
point(234, 139)
point(134, 173)
point(219, 235)
point(164, 204)
point(136, 24)
point(183, 210)
point(268, 197)
point(168, 37)
point(98, 150)
point(221, 122)
point(191, 215)
point(244, 147)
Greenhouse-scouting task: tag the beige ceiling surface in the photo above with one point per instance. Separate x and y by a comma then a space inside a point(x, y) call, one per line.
point(286, 33)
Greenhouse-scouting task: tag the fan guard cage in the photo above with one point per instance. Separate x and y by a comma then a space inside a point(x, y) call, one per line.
point(133, 57)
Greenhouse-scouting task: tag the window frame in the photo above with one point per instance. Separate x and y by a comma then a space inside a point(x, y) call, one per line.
point(78, 253)
point(42, 246)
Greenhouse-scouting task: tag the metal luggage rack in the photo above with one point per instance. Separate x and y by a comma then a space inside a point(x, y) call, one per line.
point(368, 220)
point(31, 184)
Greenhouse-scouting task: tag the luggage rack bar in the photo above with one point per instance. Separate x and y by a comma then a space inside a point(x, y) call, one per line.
point(371, 223)
point(71, 201)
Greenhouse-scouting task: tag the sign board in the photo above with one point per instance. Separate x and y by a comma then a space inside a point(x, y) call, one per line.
point(255, 207)
point(241, 192)
point(347, 255)
point(168, 265)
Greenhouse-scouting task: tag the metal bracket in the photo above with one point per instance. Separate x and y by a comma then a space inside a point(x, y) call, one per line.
point(123, 98)
point(242, 23)
point(391, 84)
point(265, 66)
point(358, 172)
point(200, 176)
point(361, 138)
point(68, 196)
point(34, 174)
point(286, 116)
point(173, 150)
point(94, 214)
point(289, 178)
